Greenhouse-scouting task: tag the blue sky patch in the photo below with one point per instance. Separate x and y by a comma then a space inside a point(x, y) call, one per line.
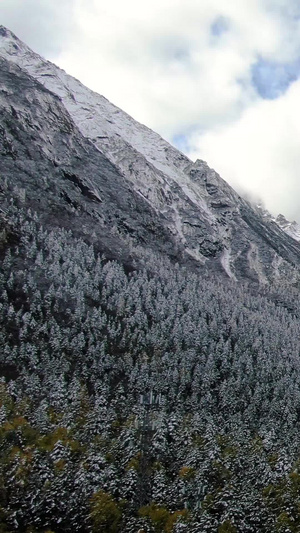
point(219, 26)
point(271, 79)
point(181, 142)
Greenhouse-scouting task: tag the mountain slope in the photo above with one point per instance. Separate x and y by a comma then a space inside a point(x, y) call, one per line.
point(135, 394)
point(203, 215)
point(48, 166)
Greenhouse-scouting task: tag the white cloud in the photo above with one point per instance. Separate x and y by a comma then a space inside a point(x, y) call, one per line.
point(259, 152)
point(160, 62)
point(45, 26)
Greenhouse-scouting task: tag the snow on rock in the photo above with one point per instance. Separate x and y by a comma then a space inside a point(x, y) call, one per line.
point(255, 263)
point(226, 264)
point(291, 228)
point(156, 169)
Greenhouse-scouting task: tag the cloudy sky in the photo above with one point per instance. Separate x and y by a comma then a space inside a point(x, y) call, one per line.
point(220, 80)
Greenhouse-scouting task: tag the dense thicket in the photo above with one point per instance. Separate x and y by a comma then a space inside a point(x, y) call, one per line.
point(153, 399)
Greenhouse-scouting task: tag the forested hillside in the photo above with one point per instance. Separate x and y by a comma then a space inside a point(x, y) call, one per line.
point(150, 328)
point(153, 399)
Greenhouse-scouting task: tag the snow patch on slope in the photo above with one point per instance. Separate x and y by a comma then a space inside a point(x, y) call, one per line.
point(255, 264)
point(226, 263)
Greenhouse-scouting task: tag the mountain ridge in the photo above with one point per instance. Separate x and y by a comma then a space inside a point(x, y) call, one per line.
point(209, 222)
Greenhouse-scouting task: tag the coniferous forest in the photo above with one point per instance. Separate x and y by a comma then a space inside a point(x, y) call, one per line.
point(143, 398)
point(149, 327)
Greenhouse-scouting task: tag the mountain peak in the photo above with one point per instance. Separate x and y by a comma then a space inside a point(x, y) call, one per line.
point(4, 32)
point(9, 35)
point(281, 219)
point(12, 45)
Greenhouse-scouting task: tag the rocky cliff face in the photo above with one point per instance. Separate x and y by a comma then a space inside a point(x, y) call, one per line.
point(82, 162)
point(48, 166)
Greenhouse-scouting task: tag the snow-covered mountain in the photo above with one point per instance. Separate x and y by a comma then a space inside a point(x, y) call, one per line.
point(291, 228)
point(198, 217)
